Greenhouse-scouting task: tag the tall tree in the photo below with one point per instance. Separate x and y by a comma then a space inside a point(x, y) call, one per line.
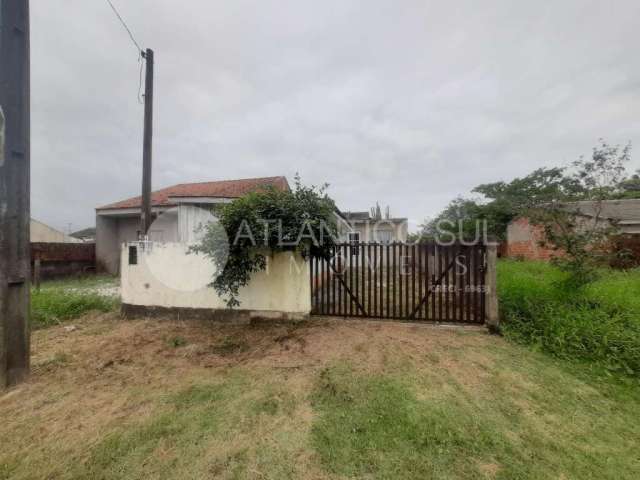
point(630, 187)
point(500, 202)
point(580, 231)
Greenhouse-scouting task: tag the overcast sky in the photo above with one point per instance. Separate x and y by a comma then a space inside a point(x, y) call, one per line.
point(409, 103)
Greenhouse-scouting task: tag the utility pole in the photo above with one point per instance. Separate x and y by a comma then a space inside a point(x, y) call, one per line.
point(145, 213)
point(14, 191)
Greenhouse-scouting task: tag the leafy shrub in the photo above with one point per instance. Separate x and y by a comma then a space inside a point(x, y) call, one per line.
point(599, 322)
point(268, 220)
point(177, 341)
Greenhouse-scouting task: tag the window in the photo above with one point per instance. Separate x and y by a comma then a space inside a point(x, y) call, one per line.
point(384, 236)
point(133, 255)
point(354, 239)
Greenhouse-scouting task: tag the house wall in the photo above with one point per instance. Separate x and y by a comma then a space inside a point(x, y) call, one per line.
point(107, 246)
point(174, 225)
point(166, 276)
point(399, 230)
point(41, 233)
point(111, 233)
point(523, 241)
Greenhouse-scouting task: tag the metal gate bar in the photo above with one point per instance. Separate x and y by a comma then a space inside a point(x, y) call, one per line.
point(415, 282)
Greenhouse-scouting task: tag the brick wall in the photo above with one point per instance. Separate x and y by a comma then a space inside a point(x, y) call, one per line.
point(523, 241)
point(63, 259)
point(628, 248)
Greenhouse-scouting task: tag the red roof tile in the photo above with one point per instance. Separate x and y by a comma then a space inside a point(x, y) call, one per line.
point(220, 189)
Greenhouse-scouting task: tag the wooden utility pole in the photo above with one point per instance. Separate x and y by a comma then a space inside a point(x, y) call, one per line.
point(145, 214)
point(14, 191)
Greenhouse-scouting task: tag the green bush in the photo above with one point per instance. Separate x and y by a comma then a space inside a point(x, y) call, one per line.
point(599, 322)
point(267, 220)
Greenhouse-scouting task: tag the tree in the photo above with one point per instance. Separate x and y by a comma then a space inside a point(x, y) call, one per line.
point(630, 187)
point(269, 220)
point(457, 221)
point(578, 229)
point(500, 203)
point(601, 177)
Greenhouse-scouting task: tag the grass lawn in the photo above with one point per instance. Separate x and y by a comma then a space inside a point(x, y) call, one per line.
point(324, 400)
point(599, 323)
point(60, 300)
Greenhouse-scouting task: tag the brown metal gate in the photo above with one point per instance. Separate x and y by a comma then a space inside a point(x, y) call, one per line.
point(444, 283)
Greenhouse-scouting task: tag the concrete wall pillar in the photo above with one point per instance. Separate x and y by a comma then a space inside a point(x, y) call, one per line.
point(491, 282)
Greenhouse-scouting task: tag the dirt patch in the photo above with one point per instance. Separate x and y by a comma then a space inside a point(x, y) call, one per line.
point(103, 344)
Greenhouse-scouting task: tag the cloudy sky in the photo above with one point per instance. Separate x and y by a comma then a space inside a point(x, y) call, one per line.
point(409, 103)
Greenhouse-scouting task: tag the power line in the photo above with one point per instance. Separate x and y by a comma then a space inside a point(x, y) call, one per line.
point(140, 61)
point(133, 39)
point(125, 26)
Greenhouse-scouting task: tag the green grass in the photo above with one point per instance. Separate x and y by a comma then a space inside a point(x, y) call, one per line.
point(61, 300)
point(191, 416)
point(85, 282)
point(454, 405)
point(374, 426)
point(599, 323)
point(549, 426)
point(193, 433)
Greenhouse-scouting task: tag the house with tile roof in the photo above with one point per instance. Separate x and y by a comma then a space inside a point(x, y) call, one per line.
point(175, 209)
point(367, 228)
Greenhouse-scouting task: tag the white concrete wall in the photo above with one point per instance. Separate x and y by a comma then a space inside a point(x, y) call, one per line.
point(166, 276)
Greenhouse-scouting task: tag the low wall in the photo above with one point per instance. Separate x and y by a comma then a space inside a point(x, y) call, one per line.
point(162, 276)
point(63, 259)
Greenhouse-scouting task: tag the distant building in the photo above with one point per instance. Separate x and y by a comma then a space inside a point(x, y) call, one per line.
point(366, 228)
point(42, 233)
point(176, 209)
point(524, 239)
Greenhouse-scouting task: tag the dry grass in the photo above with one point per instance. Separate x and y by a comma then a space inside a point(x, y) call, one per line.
point(166, 399)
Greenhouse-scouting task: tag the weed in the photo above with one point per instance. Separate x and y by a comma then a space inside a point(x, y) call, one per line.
point(177, 341)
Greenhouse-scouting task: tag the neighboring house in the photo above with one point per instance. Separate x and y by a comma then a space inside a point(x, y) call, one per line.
point(523, 238)
point(87, 235)
point(177, 209)
point(365, 228)
point(42, 233)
